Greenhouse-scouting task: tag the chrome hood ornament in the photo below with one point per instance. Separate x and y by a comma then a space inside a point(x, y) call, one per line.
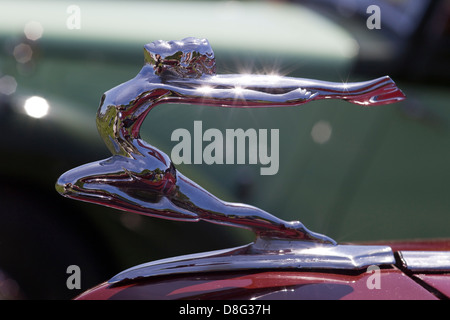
point(142, 179)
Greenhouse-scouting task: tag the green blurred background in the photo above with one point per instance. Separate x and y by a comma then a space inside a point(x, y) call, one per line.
point(353, 173)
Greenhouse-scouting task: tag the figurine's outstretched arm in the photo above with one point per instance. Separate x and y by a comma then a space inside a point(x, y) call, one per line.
point(237, 96)
point(255, 91)
point(272, 91)
point(124, 108)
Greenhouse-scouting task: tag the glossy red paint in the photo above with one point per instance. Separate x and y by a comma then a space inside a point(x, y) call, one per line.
point(267, 285)
point(395, 283)
point(440, 282)
point(415, 244)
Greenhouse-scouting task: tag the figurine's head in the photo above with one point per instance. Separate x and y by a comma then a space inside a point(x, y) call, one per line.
point(187, 58)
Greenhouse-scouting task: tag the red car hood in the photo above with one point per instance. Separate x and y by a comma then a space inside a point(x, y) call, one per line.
point(403, 280)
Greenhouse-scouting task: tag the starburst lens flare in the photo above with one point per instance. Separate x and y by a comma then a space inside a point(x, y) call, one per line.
point(238, 91)
point(205, 89)
point(36, 107)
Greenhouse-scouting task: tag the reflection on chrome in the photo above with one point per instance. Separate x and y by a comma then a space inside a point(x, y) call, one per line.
point(142, 179)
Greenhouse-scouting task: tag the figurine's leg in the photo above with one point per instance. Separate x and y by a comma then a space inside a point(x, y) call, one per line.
point(209, 208)
point(105, 182)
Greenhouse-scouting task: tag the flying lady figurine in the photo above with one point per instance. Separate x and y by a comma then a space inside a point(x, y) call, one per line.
point(142, 179)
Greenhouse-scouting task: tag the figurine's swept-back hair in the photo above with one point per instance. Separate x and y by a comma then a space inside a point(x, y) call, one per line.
point(190, 57)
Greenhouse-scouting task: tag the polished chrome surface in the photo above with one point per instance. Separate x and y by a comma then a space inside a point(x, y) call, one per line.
point(269, 255)
point(423, 261)
point(142, 179)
